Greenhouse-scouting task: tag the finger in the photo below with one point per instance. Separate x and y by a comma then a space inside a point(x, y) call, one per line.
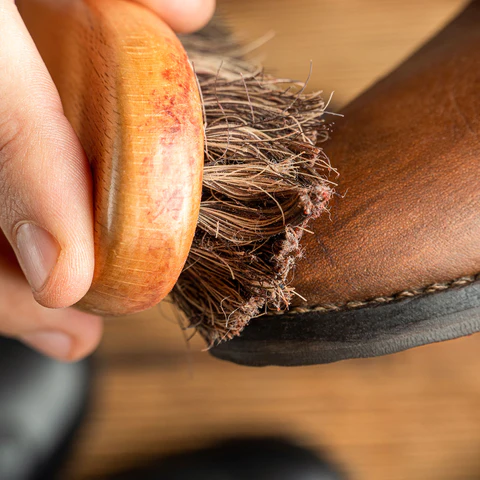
point(184, 16)
point(69, 335)
point(65, 334)
point(45, 185)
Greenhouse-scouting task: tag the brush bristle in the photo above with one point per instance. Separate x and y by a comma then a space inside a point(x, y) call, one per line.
point(265, 177)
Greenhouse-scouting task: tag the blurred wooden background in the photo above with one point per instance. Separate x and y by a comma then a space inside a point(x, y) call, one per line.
point(351, 43)
point(411, 416)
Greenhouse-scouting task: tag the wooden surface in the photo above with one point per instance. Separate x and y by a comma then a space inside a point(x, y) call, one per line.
point(349, 42)
point(411, 416)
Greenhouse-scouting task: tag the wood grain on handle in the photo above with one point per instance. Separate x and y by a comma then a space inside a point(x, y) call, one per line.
point(131, 96)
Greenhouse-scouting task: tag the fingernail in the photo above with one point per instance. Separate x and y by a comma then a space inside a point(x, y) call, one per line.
point(38, 253)
point(51, 343)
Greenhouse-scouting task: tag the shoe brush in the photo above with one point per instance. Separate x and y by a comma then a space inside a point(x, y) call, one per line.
point(205, 169)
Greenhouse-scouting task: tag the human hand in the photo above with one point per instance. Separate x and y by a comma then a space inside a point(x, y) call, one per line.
point(46, 212)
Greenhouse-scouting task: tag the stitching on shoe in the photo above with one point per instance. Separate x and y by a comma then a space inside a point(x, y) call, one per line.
point(433, 288)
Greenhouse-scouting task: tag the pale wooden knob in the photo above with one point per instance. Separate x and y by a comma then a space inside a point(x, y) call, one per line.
point(131, 96)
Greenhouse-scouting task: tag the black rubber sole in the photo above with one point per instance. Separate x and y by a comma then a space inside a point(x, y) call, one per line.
point(314, 338)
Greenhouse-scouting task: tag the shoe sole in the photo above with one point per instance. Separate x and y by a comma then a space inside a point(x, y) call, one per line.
point(323, 337)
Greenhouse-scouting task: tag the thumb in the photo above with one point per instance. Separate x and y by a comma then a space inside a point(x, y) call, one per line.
point(45, 186)
point(183, 16)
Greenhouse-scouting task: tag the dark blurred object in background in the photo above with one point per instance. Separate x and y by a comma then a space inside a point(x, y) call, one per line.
point(41, 403)
point(239, 459)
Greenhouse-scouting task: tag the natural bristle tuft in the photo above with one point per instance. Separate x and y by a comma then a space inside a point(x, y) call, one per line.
point(265, 177)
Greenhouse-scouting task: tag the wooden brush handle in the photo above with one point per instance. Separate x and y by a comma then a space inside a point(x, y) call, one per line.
point(131, 96)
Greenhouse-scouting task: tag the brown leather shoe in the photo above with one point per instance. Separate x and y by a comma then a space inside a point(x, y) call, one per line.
point(397, 266)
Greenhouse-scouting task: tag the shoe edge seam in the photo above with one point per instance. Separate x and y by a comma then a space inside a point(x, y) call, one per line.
point(382, 300)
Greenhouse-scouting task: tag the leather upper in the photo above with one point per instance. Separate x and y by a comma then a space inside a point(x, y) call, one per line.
point(408, 153)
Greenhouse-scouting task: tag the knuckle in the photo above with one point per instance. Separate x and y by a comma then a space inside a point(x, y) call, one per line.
point(12, 132)
point(14, 141)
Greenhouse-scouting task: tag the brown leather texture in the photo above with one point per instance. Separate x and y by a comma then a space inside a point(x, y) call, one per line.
point(408, 151)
